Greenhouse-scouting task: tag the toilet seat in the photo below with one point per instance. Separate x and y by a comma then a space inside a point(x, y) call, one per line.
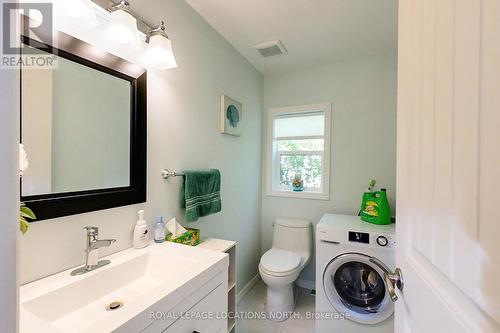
point(279, 262)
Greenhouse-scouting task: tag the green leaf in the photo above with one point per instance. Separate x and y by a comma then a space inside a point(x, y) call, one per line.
point(23, 225)
point(23, 214)
point(26, 212)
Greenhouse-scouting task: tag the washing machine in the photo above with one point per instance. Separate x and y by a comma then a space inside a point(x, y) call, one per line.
point(352, 257)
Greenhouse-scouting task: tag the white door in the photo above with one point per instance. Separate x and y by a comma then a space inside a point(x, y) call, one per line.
point(448, 213)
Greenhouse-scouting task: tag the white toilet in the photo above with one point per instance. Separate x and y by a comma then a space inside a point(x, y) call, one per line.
point(281, 265)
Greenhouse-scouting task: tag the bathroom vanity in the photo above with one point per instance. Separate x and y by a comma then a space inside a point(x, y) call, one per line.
point(165, 287)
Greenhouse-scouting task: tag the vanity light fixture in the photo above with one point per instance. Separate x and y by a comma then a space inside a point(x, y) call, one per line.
point(74, 17)
point(122, 27)
point(159, 53)
point(76, 8)
point(126, 28)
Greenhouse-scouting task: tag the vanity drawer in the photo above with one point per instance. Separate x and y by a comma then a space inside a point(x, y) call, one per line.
point(212, 296)
point(196, 319)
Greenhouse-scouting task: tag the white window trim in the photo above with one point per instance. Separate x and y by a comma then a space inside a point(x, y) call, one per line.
point(271, 188)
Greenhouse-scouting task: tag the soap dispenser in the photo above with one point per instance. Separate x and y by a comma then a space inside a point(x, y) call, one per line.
point(160, 230)
point(141, 233)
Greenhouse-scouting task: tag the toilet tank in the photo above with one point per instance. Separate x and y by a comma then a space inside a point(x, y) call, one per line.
point(293, 235)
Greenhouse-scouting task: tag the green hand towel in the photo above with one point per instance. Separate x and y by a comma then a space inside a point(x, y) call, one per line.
point(200, 194)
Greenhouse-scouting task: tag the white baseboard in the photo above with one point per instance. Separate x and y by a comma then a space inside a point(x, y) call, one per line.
point(306, 284)
point(244, 291)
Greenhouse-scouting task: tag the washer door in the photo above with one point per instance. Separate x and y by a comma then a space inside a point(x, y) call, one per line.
point(354, 285)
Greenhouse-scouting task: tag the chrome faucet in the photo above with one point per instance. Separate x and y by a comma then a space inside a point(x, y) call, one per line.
point(92, 255)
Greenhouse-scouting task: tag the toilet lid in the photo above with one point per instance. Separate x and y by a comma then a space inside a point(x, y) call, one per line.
point(280, 261)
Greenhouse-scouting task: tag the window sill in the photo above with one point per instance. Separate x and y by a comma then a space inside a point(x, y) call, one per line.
point(298, 195)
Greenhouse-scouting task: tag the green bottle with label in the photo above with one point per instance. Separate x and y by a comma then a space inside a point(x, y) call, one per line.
point(375, 206)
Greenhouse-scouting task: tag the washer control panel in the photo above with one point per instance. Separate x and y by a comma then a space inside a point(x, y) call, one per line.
point(372, 239)
point(382, 240)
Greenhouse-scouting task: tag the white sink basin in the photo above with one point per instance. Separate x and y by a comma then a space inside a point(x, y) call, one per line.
point(135, 278)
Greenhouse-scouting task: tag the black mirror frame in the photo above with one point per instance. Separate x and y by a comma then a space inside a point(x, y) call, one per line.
point(47, 206)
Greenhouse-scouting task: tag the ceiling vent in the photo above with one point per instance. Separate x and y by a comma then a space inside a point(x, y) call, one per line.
point(271, 49)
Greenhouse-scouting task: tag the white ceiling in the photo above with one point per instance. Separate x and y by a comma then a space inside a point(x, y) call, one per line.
point(313, 31)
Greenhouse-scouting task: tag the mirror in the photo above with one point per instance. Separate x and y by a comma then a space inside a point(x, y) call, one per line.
point(76, 127)
point(84, 130)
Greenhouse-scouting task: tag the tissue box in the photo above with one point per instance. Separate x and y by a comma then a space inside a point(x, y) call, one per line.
point(190, 237)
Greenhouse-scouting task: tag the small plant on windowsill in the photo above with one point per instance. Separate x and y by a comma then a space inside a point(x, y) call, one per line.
point(24, 212)
point(298, 183)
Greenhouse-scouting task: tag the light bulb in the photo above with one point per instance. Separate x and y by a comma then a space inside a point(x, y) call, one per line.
point(159, 53)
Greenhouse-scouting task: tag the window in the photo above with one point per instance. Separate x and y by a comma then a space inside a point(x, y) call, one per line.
point(299, 148)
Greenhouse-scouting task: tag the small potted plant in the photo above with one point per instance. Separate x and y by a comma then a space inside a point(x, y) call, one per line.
point(298, 183)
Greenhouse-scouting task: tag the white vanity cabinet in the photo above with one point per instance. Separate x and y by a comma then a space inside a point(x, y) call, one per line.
point(229, 247)
point(211, 304)
point(204, 311)
point(164, 287)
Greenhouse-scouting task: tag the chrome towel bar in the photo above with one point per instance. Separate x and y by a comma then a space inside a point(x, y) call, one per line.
point(166, 174)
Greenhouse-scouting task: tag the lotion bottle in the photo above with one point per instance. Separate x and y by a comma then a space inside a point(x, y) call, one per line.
point(141, 232)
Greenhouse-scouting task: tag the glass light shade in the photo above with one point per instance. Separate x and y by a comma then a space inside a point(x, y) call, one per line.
point(74, 17)
point(122, 28)
point(159, 53)
point(76, 8)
